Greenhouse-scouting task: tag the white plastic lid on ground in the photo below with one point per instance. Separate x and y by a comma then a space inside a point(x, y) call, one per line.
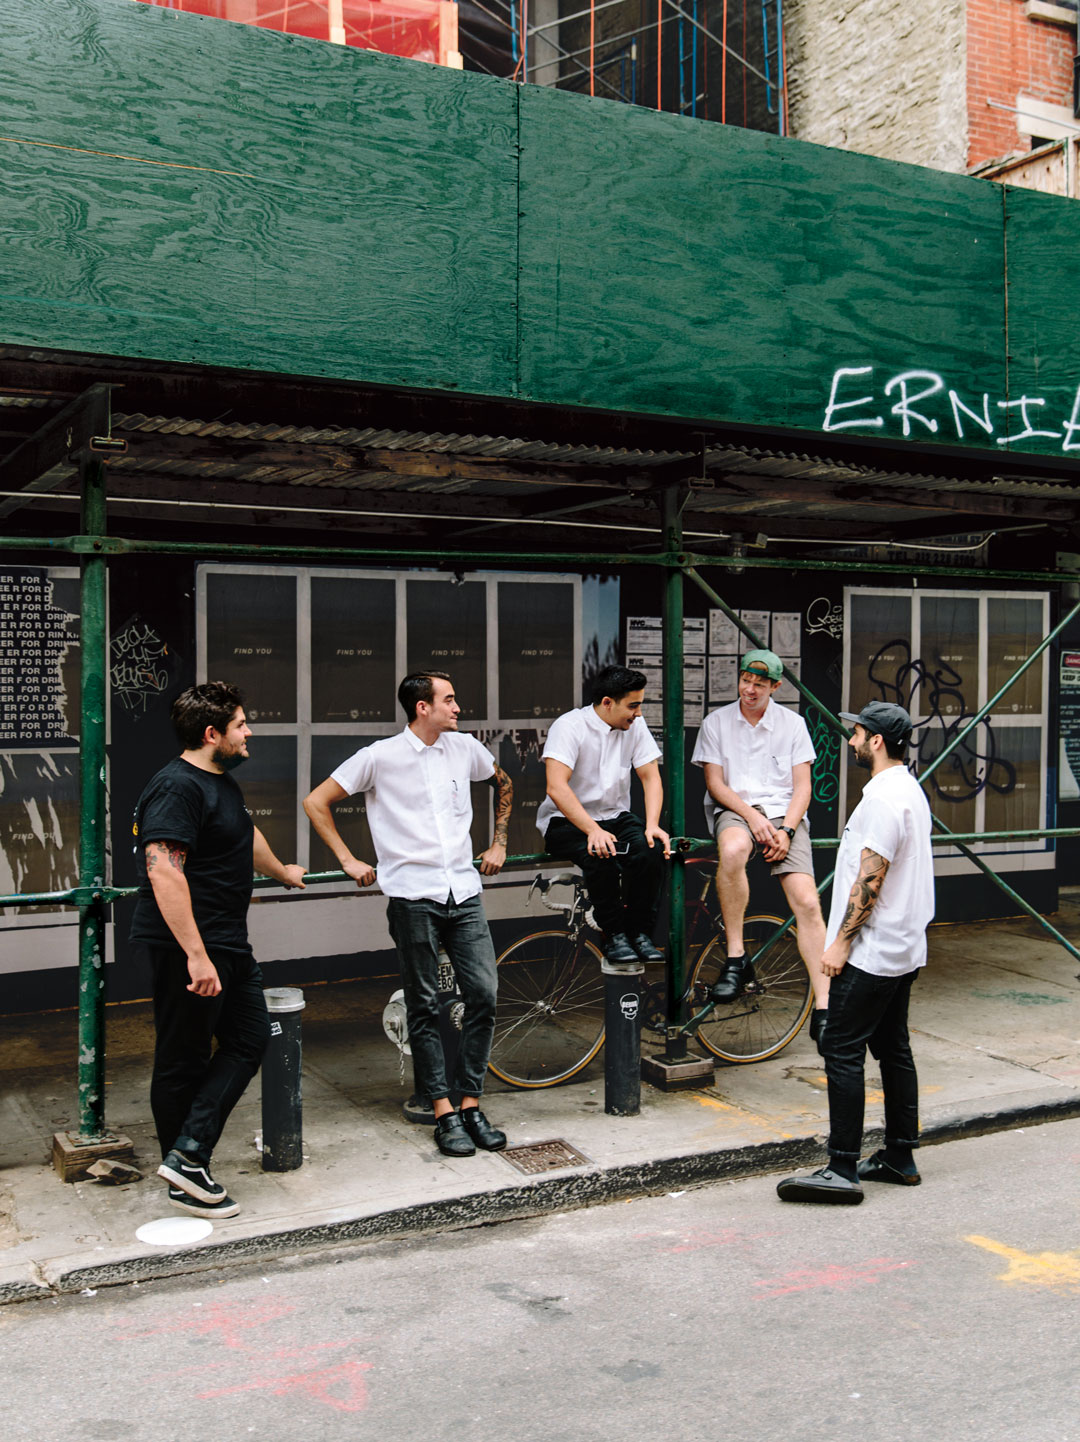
point(174, 1231)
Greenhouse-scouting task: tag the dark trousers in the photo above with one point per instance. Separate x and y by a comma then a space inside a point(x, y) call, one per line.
point(624, 890)
point(419, 929)
point(870, 1011)
point(194, 1087)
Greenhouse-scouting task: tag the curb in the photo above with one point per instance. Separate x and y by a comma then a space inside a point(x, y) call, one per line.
point(538, 1198)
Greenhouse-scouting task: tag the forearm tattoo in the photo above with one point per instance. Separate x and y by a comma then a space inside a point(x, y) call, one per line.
point(504, 797)
point(865, 891)
point(170, 853)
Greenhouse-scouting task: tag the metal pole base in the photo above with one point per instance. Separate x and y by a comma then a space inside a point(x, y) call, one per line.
point(72, 1156)
point(671, 1073)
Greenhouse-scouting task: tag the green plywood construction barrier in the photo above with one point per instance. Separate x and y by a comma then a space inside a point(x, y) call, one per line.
point(285, 205)
point(201, 192)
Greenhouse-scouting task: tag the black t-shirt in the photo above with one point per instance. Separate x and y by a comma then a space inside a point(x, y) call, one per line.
point(205, 812)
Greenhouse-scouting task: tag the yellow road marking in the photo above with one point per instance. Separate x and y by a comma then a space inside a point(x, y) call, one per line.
point(1038, 1269)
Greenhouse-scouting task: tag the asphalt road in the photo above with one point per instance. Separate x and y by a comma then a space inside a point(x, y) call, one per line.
point(945, 1313)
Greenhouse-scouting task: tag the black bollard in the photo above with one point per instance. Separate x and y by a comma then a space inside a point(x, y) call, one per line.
point(282, 1099)
point(622, 1047)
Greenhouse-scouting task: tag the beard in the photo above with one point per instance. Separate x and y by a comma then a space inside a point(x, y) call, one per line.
point(864, 757)
point(228, 760)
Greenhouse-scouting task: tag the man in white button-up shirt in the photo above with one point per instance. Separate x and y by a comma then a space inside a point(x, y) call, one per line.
point(757, 758)
point(586, 814)
point(882, 903)
point(419, 807)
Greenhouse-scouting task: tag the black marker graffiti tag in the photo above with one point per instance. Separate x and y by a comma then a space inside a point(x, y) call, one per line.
point(136, 674)
point(974, 766)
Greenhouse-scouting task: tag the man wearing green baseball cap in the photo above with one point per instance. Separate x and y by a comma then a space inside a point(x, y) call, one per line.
point(757, 757)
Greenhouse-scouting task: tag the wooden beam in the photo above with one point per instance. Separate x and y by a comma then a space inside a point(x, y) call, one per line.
point(27, 468)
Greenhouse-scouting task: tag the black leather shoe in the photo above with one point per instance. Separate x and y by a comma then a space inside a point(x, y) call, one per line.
point(819, 1020)
point(451, 1137)
point(618, 950)
point(732, 980)
point(481, 1130)
point(646, 948)
point(820, 1186)
point(877, 1169)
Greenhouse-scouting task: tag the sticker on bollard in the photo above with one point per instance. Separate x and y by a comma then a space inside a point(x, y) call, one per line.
point(282, 1093)
point(622, 1044)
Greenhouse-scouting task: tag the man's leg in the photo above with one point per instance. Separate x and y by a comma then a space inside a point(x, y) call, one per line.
point(642, 868)
point(857, 1003)
point(805, 905)
point(467, 938)
point(734, 847)
point(891, 1045)
point(415, 927)
point(242, 1031)
point(602, 882)
point(184, 1027)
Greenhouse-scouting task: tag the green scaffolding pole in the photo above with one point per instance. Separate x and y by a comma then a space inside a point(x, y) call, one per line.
point(93, 642)
point(675, 763)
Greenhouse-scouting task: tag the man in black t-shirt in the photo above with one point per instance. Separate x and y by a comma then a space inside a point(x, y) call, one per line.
point(196, 852)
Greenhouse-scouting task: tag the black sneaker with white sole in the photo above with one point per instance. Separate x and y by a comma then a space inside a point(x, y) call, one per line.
point(190, 1176)
point(226, 1207)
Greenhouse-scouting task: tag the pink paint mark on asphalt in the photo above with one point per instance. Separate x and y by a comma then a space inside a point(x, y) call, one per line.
point(230, 1320)
point(343, 1387)
point(834, 1277)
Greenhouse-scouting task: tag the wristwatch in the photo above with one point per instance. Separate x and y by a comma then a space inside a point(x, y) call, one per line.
point(790, 831)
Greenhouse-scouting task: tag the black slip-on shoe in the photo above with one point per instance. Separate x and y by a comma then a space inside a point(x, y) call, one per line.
point(619, 951)
point(190, 1176)
point(824, 1185)
point(646, 948)
point(732, 981)
point(877, 1169)
point(226, 1207)
point(487, 1137)
point(451, 1137)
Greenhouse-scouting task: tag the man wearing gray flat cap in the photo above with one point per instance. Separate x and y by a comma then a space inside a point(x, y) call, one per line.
point(882, 903)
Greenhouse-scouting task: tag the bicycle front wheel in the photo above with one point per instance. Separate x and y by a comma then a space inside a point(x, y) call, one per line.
point(549, 1016)
point(767, 1016)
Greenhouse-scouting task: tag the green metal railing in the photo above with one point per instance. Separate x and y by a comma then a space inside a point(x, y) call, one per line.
point(93, 547)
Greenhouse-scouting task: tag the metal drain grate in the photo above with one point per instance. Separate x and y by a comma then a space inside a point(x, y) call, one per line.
point(544, 1157)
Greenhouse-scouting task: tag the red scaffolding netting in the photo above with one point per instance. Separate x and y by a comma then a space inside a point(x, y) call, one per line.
point(420, 29)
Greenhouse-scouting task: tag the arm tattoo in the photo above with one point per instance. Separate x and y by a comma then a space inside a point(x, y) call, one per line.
point(504, 797)
point(865, 892)
point(170, 852)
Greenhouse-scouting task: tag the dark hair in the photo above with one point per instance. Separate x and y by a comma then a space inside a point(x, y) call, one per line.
point(895, 750)
point(616, 682)
point(214, 703)
point(417, 687)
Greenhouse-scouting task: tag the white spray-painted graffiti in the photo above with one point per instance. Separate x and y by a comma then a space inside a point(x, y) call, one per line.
point(1022, 420)
point(136, 674)
point(825, 615)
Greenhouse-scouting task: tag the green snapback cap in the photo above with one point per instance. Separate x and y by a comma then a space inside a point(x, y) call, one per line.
point(763, 663)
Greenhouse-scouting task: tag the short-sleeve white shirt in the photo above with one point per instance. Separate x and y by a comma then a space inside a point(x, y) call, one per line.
point(758, 760)
point(600, 758)
point(419, 808)
point(893, 819)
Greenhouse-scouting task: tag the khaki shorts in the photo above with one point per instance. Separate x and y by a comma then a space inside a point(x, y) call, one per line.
point(800, 858)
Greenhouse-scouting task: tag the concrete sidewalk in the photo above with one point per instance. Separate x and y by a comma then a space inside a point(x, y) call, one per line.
point(996, 1028)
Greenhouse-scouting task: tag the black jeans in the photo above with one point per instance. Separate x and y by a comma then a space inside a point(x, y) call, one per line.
point(194, 1087)
point(624, 890)
point(870, 1011)
point(419, 928)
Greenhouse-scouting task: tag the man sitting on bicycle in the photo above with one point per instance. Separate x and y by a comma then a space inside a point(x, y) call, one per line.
point(757, 757)
point(586, 815)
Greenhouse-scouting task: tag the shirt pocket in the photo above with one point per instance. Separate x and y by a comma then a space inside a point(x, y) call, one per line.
point(779, 771)
point(460, 796)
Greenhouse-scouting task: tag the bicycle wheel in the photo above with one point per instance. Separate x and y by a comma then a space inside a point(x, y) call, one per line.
point(549, 1016)
point(764, 1019)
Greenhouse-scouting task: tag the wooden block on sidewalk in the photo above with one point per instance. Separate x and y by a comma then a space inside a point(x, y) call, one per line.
point(72, 1157)
point(689, 1071)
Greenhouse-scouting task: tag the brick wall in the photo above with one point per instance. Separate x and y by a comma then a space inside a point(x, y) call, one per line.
point(881, 77)
point(1009, 54)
